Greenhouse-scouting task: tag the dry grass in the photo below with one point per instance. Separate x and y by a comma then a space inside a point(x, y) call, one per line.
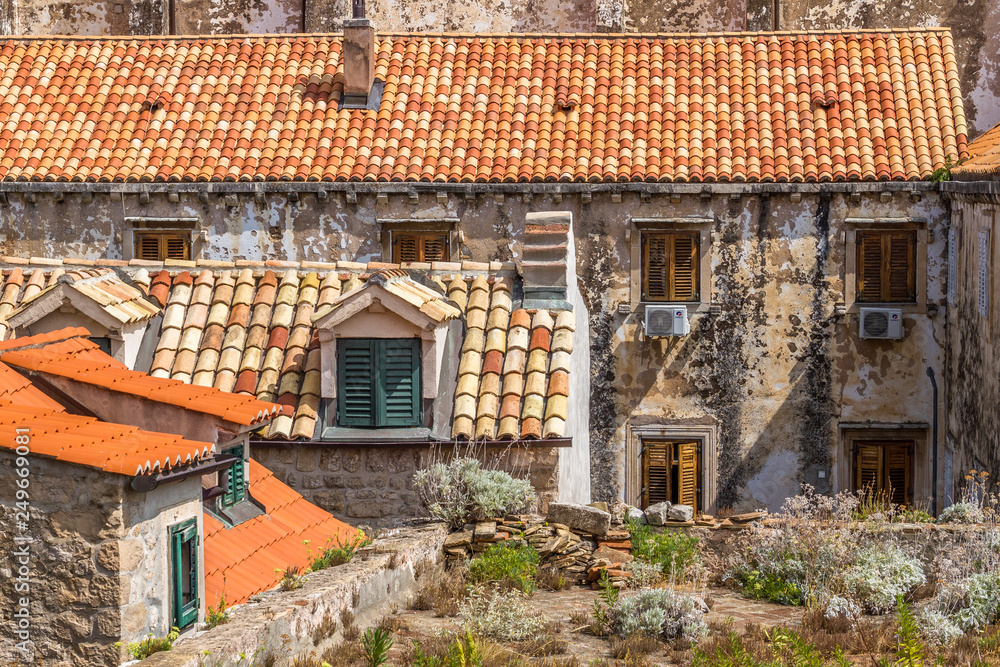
point(441, 591)
point(326, 628)
point(393, 623)
point(543, 645)
point(551, 578)
point(623, 649)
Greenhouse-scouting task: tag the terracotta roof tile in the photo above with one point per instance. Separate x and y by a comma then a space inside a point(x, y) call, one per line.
point(983, 162)
point(250, 557)
point(814, 106)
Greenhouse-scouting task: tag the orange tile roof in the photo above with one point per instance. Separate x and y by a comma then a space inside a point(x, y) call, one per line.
point(814, 106)
point(250, 557)
point(122, 301)
point(983, 162)
point(17, 290)
point(66, 354)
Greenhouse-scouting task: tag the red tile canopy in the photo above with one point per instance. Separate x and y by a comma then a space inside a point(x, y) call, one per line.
point(818, 106)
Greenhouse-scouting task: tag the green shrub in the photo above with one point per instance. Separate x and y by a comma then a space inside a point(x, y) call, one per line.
point(658, 612)
point(338, 554)
point(501, 614)
point(881, 574)
point(770, 587)
point(376, 643)
point(151, 645)
point(217, 615)
point(462, 491)
point(507, 566)
point(674, 552)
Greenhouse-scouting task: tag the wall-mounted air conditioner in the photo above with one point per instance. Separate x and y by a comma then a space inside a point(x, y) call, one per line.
point(881, 323)
point(667, 321)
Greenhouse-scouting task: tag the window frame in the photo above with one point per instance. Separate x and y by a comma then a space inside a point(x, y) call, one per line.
point(673, 430)
point(851, 246)
point(918, 434)
point(421, 239)
point(673, 469)
point(885, 239)
point(184, 614)
point(392, 228)
point(378, 348)
point(702, 226)
point(670, 265)
point(231, 495)
point(163, 237)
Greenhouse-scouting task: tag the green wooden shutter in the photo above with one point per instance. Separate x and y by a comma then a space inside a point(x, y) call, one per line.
point(184, 573)
point(236, 479)
point(399, 386)
point(356, 383)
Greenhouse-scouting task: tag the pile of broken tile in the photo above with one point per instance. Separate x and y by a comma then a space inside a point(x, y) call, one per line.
point(582, 541)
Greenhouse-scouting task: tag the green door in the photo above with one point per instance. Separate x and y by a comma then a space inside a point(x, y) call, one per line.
point(184, 573)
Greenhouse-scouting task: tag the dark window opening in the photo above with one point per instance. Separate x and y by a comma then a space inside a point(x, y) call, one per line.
point(671, 473)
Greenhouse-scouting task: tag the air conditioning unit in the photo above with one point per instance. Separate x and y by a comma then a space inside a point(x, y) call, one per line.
point(667, 321)
point(881, 323)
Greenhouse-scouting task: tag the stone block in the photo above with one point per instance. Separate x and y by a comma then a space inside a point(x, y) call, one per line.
point(312, 482)
point(637, 515)
point(365, 494)
point(356, 483)
point(331, 501)
point(363, 509)
point(109, 557)
point(375, 460)
point(399, 461)
point(601, 506)
point(462, 538)
point(330, 460)
point(681, 513)
point(79, 626)
point(85, 524)
point(656, 515)
point(108, 623)
point(285, 455)
point(130, 555)
point(108, 591)
point(307, 459)
point(334, 481)
point(351, 460)
point(396, 483)
point(611, 555)
point(580, 518)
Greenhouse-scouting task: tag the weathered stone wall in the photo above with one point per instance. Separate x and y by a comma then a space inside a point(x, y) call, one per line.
point(973, 385)
point(75, 587)
point(374, 485)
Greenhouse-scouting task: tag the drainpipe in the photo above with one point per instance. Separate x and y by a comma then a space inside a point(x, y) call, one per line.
point(934, 427)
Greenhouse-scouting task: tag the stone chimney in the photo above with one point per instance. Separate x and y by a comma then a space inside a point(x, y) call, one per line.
point(547, 259)
point(358, 56)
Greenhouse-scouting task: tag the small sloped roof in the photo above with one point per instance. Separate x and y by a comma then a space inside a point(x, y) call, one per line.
point(68, 353)
point(250, 558)
point(983, 162)
point(457, 108)
point(397, 282)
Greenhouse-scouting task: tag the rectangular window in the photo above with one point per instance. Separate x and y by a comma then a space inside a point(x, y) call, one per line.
point(670, 266)
point(887, 267)
point(670, 473)
point(885, 468)
point(158, 246)
point(952, 265)
point(983, 294)
point(420, 247)
point(378, 382)
point(235, 488)
point(184, 573)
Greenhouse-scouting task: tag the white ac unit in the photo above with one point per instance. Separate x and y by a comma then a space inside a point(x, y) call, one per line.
point(881, 323)
point(667, 321)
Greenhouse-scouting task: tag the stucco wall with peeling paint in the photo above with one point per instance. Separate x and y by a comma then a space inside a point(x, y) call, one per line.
point(778, 370)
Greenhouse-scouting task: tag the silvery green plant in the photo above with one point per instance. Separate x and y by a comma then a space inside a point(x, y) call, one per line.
point(880, 574)
point(501, 615)
point(644, 575)
point(962, 512)
point(463, 491)
point(658, 612)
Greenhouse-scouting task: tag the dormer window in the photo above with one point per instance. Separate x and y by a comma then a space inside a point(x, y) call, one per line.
point(379, 382)
point(160, 246)
point(420, 247)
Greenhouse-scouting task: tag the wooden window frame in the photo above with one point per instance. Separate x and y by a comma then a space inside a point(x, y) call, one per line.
point(184, 615)
point(851, 434)
point(379, 417)
point(854, 226)
point(883, 449)
point(886, 243)
point(702, 226)
point(391, 229)
point(231, 494)
point(672, 256)
point(673, 430)
point(163, 237)
point(671, 460)
point(421, 240)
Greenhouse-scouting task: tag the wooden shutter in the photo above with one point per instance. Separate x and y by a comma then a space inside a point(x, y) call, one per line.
point(147, 246)
point(355, 383)
point(656, 463)
point(655, 260)
point(158, 246)
point(685, 268)
point(399, 388)
point(687, 473)
point(868, 468)
point(419, 248)
point(235, 479)
point(184, 573)
point(898, 466)
point(177, 247)
point(887, 267)
point(901, 250)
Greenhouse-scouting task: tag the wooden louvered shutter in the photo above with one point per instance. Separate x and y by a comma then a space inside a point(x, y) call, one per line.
point(687, 474)
point(356, 383)
point(407, 248)
point(399, 386)
point(900, 281)
point(147, 246)
point(656, 464)
point(898, 465)
point(655, 266)
point(236, 479)
point(684, 276)
point(434, 248)
point(177, 247)
point(868, 468)
point(869, 268)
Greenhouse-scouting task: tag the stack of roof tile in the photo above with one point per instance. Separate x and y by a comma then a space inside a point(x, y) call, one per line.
point(815, 106)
